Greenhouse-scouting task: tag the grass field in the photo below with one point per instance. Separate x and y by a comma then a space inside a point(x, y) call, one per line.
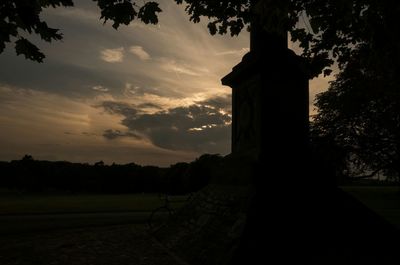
point(33, 213)
point(384, 200)
point(45, 204)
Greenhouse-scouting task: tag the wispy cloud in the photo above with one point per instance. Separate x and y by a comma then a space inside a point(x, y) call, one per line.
point(140, 52)
point(233, 52)
point(173, 66)
point(112, 55)
point(100, 88)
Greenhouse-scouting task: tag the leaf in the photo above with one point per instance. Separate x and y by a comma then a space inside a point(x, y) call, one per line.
point(148, 13)
point(2, 46)
point(29, 50)
point(236, 27)
point(212, 28)
point(46, 33)
point(119, 13)
point(6, 30)
point(55, 3)
point(315, 24)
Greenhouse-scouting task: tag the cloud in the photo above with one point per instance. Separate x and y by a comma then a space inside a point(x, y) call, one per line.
point(90, 134)
point(113, 134)
point(112, 55)
point(233, 52)
point(173, 66)
point(100, 88)
point(223, 103)
point(140, 52)
point(196, 127)
point(136, 90)
point(53, 127)
point(120, 108)
point(62, 77)
point(149, 106)
point(76, 78)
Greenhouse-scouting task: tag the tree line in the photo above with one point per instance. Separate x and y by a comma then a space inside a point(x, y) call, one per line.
point(37, 176)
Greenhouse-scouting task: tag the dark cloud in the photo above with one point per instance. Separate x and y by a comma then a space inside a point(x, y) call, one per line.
point(113, 134)
point(208, 140)
point(54, 76)
point(89, 134)
point(219, 102)
point(120, 108)
point(182, 118)
point(200, 128)
point(142, 85)
point(149, 105)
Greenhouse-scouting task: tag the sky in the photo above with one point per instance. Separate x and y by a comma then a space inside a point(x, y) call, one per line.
point(149, 94)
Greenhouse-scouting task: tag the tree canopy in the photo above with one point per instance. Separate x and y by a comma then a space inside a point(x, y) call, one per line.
point(360, 112)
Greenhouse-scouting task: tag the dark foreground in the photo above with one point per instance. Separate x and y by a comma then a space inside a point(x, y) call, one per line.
point(110, 245)
point(339, 231)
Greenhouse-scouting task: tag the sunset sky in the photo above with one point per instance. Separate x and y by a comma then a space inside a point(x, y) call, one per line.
point(145, 94)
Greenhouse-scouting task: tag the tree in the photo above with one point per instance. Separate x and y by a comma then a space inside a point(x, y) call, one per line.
point(99, 163)
point(360, 112)
point(27, 158)
point(174, 181)
point(201, 170)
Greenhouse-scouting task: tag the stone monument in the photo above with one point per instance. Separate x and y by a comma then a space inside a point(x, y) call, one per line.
point(260, 206)
point(269, 129)
point(270, 105)
point(294, 217)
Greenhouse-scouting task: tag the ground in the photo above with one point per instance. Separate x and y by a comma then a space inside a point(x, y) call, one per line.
point(109, 245)
point(82, 230)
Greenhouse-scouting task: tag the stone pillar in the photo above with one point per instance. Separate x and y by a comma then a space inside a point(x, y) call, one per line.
point(270, 124)
point(270, 108)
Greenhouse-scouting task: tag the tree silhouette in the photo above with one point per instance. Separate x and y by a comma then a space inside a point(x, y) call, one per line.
point(99, 163)
point(360, 111)
point(27, 158)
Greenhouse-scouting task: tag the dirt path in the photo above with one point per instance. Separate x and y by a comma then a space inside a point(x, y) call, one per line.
point(111, 245)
